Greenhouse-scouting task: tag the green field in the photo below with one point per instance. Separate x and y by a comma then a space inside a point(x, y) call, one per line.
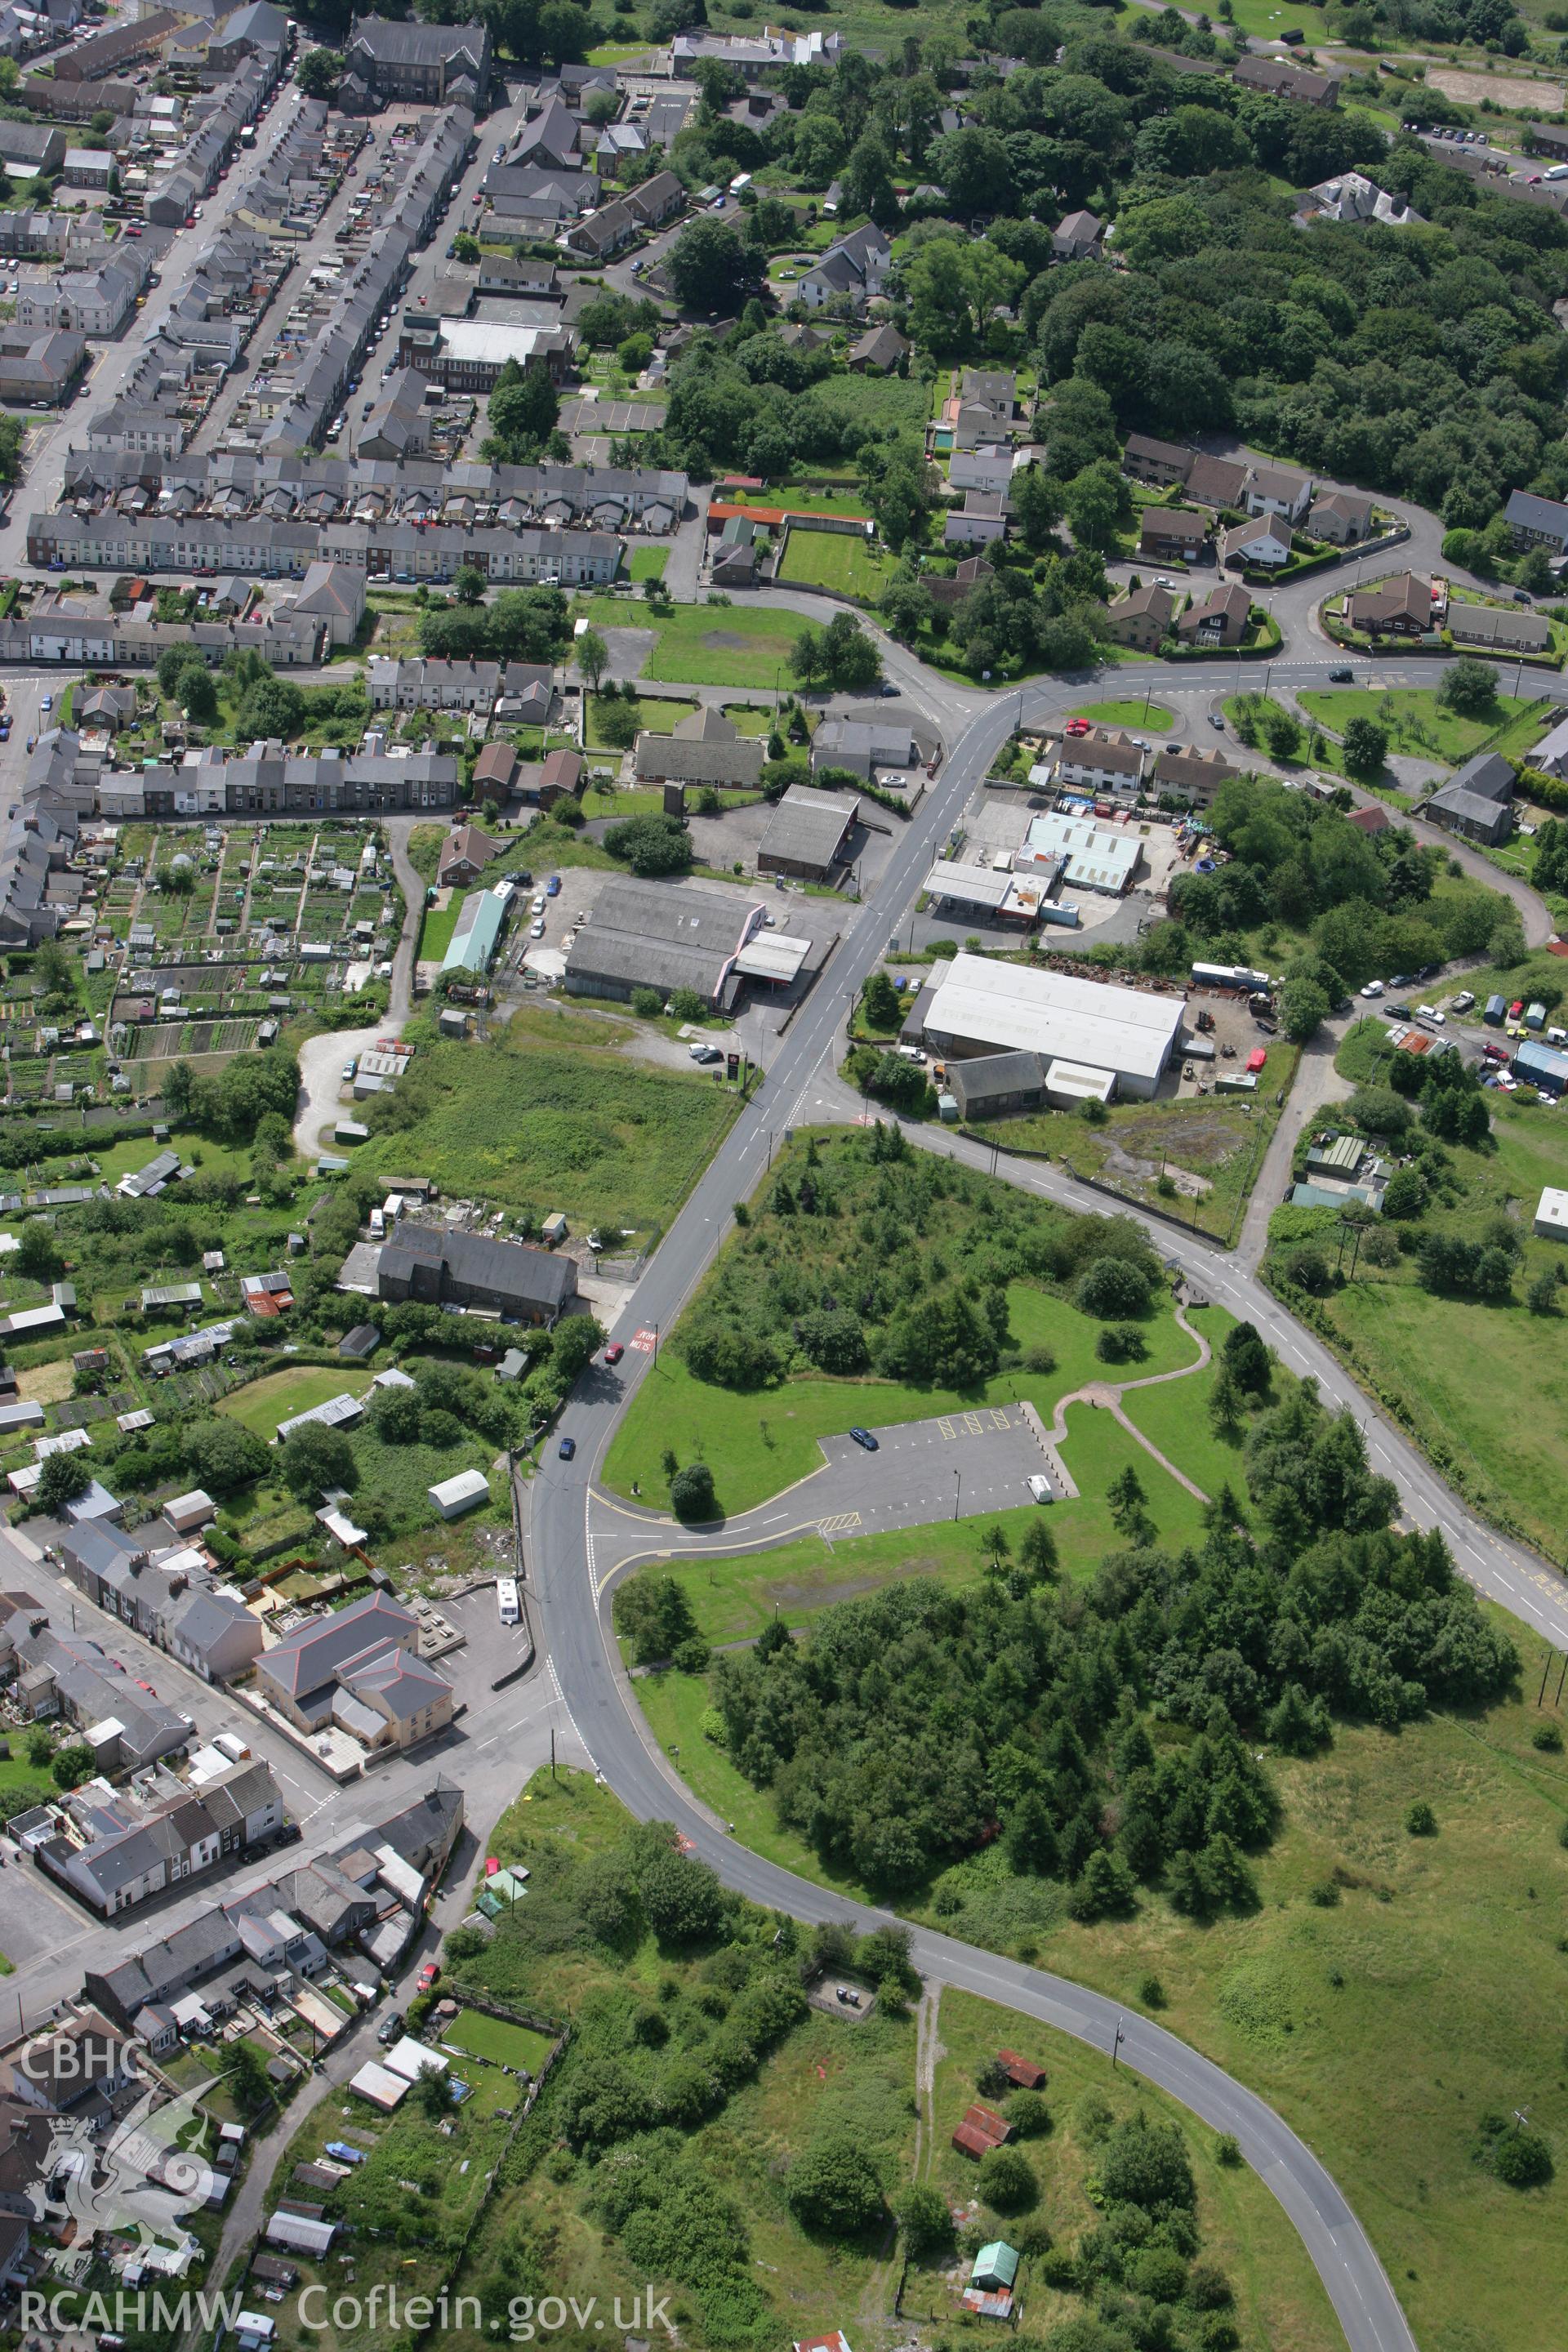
point(831, 558)
point(708, 645)
point(895, 2082)
point(548, 1116)
point(646, 563)
point(1130, 713)
point(1482, 1384)
point(1417, 725)
point(734, 1599)
point(759, 1444)
point(279, 1396)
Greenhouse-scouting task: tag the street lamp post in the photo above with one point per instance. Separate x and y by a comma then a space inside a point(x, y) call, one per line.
point(957, 1491)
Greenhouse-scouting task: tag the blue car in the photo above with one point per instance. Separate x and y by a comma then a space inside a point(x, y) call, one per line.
point(864, 1437)
point(568, 1448)
point(552, 888)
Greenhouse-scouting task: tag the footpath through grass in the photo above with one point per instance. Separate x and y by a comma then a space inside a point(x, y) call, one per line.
point(760, 1442)
point(734, 1599)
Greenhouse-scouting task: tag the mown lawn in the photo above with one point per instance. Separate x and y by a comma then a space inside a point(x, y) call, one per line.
point(659, 713)
point(437, 928)
point(708, 645)
point(646, 563)
point(760, 1442)
point(1416, 723)
point(261, 1405)
point(734, 1599)
point(831, 558)
point(1131, 713)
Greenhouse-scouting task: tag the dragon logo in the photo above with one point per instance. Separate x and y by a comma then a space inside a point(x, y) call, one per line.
point(137, 2182)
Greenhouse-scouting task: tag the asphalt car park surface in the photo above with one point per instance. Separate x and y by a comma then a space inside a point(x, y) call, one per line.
point(954, 1466)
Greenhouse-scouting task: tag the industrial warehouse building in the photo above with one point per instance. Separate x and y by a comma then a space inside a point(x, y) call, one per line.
point(1087, 855)
point(984, 1007)
point(671, 935)
point(809, 833)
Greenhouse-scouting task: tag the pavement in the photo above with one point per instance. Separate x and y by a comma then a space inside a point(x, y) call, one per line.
point(572, 1567)
point(579, 1692)
point(957, 1465)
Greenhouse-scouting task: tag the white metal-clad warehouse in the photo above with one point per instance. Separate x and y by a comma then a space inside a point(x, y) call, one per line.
point(984, 1007)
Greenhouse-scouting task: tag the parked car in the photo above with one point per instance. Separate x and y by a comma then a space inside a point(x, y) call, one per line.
point(429, 1974)
point(863, 1437)
point(391, 2026)
point(536, 929)
point(552, 888)
point(704, 1053)
point(1465, 999)
point(1372, 988)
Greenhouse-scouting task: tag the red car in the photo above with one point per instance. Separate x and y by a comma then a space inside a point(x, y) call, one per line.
point(614, 1352)
point(1516, 1008)
point(1078, 727)
point(428, 1975)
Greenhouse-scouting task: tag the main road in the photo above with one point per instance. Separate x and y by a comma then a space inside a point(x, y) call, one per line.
point(571, 1568)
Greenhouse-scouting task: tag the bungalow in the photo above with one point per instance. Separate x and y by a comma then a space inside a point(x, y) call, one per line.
point(1399, 607)
point(1172, 534)
point(1265, 543)
point(1498, 627)
point(1278, 79)
point(1142, 619)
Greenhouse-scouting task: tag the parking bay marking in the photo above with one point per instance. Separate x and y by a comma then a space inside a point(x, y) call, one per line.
point(973, 1424)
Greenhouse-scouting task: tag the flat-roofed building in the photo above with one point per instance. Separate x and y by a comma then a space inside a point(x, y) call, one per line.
point(982, 1006)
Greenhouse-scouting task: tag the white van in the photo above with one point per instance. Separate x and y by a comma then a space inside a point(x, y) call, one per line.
point(507, 1605)
point(1041, 1488)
